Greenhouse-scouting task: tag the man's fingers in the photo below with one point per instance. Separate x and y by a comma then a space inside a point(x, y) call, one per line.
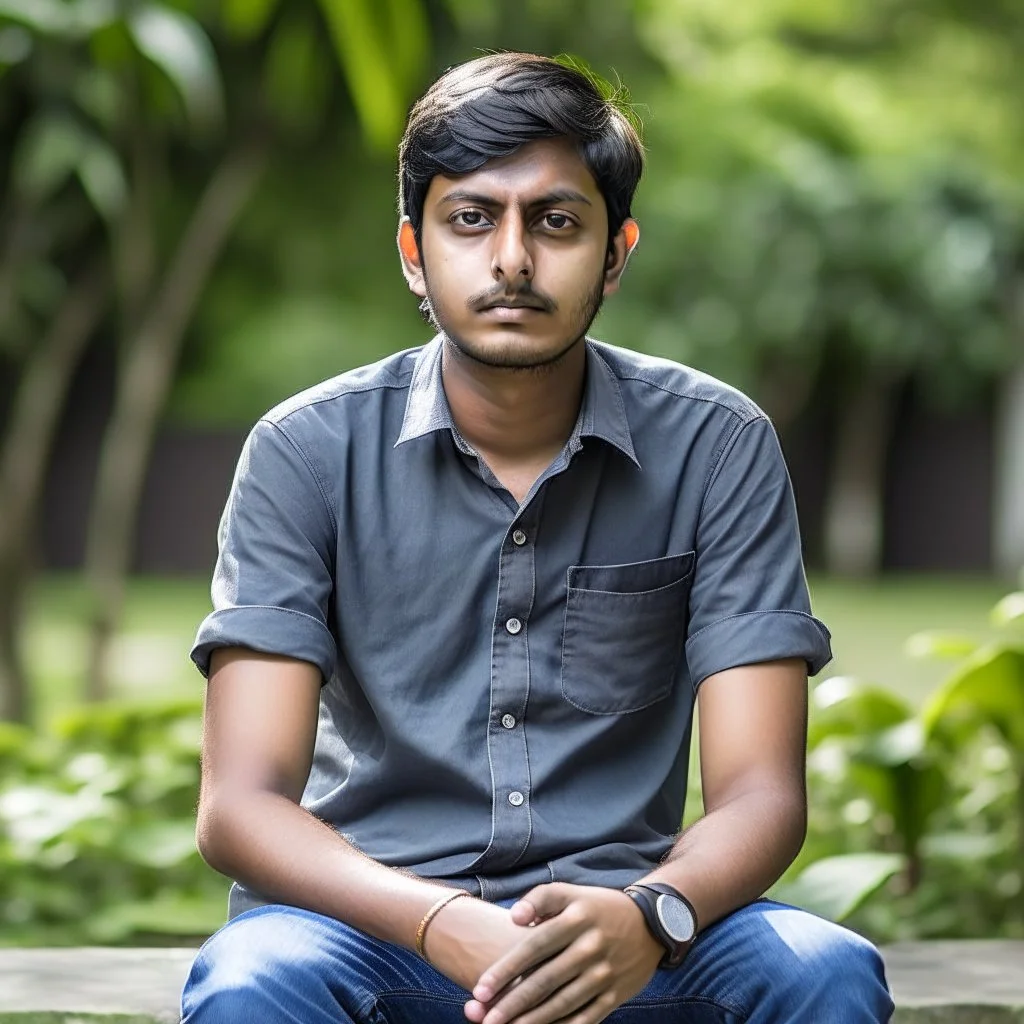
point(541, 902)
point(560, 1003)
point(541, 943)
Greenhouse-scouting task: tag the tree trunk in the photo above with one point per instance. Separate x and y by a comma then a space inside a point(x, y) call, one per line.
point(855, 502)
point(145, 376)
point(24, 457)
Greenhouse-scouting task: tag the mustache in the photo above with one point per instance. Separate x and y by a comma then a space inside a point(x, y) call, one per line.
point(527, 297)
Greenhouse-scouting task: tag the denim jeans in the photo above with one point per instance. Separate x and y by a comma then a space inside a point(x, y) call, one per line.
point(764, 964)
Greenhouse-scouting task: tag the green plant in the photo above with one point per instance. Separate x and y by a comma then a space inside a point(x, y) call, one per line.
point(97, 822)
point(917, 818)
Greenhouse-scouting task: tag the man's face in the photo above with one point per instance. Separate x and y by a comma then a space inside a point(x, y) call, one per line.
point(514, 258)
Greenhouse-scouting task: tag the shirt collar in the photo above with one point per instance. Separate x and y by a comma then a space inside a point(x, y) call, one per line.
point(602, 413)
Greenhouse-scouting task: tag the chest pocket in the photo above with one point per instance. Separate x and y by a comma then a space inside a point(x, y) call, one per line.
point(625, 627)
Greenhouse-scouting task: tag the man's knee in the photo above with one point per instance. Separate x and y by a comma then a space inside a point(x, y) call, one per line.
point(825, 971)
point(267, 965)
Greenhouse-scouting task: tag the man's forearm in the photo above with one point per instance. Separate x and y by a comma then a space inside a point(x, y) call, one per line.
point(269, 843)
point(735, 852)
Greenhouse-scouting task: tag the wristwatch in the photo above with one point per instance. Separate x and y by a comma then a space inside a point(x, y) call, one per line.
point(670, 917)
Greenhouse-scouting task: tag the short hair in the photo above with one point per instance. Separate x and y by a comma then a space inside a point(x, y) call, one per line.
point(489, 107)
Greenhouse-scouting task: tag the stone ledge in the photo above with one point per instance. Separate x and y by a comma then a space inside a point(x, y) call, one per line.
point(978, 982)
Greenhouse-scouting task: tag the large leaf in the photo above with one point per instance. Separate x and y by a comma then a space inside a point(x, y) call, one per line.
point(989, 687)
point(102, 178)
point(185, 916)
point(57, 18)
point(47, 154)
point(382, 48)
point(939, 645)
point(177, 45)
point(1009, 609)
point(843, 706)
point(836, 886)
point(245, 19)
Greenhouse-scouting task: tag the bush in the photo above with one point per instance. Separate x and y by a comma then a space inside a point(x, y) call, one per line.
point(97, 823)
point(917, 819)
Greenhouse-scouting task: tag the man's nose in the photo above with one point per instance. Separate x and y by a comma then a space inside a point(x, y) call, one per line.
point(512, 260)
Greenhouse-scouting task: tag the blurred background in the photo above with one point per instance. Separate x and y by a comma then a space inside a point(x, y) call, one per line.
point(197, 219)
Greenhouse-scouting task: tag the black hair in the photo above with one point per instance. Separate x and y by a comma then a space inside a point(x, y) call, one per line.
point(489, 107)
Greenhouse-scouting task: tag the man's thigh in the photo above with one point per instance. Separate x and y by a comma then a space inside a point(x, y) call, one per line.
point(764, 964)
point(282, 965)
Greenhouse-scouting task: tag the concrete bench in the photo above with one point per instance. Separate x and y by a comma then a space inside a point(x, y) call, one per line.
point(980, 982)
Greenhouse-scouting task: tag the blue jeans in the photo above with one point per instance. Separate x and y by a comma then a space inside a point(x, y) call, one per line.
point(764, 964)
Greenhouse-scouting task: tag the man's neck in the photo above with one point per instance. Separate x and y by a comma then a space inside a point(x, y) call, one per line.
point(518, 420)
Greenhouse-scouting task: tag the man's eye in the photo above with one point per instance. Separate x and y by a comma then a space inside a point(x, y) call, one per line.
point(556, 221)
point(469, 218)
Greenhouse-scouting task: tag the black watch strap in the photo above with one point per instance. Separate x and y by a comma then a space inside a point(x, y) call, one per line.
point(645, 895)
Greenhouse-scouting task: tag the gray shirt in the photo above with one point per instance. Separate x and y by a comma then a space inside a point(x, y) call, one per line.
point(509, 688)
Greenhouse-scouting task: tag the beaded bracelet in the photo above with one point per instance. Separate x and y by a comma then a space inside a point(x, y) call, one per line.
point(421, 932)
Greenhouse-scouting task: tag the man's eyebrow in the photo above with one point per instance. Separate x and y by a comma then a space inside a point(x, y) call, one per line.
point(566, 195)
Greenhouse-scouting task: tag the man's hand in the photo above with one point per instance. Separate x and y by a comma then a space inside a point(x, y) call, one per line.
point(589, 950)
point(468, 936)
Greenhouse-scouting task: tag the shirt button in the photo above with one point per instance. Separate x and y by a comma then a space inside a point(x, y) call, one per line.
point(519, 538)
point(508, 721)
point(515, 798)
point(513, 626)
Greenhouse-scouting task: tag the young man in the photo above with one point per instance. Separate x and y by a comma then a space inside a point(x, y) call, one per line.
point(465, 603)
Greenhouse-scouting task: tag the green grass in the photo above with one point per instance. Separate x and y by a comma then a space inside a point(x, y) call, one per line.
point(870, 623)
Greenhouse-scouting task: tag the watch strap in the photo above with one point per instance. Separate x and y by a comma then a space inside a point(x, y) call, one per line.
point(645, 896)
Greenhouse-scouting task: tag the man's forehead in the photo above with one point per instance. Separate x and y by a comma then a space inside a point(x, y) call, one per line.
point(540, 168)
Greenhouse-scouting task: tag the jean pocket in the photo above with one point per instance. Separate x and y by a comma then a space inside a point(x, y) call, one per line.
point(625, 627)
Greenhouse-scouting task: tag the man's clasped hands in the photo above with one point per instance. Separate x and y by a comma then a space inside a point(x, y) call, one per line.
point(567, 953)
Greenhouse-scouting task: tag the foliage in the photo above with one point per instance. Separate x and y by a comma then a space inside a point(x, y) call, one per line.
point(97, 824)
point(917, 819)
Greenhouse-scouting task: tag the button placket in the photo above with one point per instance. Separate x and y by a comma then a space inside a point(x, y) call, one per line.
point(510, 687)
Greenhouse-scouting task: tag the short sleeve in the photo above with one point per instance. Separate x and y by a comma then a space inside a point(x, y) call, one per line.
point(273, 580)
point(749, 600)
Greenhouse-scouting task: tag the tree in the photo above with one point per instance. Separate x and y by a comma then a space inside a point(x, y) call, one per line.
point(127, 109)
point(833, 227)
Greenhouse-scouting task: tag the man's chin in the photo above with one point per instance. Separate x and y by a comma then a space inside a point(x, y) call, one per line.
point(511, 350)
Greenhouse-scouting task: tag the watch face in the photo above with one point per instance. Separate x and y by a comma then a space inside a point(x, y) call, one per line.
point(675, 918)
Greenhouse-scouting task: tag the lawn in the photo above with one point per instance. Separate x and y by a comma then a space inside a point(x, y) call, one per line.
point(870, 623)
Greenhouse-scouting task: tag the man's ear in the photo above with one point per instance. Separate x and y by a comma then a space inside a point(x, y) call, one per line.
point(412, 264)
point(623, 244)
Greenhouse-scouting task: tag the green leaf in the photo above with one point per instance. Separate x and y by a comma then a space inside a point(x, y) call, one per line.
point(48, 153)
point(382, 49)
point(939, 645)
point(159, 844)
point(836, 886)
point(102, 178)
point(245, 19)
point(56, 18)
point(185, 916)
point(177, 45)
point(1009, 609)
point(843, 706)
point(989, 687)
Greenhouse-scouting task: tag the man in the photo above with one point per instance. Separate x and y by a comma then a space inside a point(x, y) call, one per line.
point(465, 602)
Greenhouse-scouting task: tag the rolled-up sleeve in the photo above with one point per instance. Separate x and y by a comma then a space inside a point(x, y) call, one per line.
point(273, 581)
point(749, 600)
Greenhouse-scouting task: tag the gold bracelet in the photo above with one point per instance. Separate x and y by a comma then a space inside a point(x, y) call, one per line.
point(421, 932)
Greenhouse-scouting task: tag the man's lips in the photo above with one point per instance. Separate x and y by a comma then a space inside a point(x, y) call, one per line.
point(514, 304)
point(500, 311)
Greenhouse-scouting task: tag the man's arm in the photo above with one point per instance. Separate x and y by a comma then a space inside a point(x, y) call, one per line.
point(753, 741)
point(753, 724)
point(258, 735)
